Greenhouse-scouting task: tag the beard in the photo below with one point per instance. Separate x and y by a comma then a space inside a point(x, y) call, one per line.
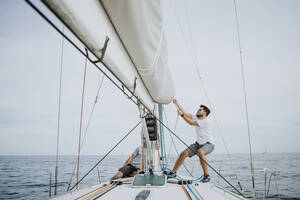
point(199, 115)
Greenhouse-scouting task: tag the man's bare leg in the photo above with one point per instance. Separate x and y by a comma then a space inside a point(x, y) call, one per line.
point(117, 175)
point(201, 154)
point(180, 160)
point(135, 173)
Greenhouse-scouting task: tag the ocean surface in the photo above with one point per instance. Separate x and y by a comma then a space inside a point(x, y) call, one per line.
point(28, 177)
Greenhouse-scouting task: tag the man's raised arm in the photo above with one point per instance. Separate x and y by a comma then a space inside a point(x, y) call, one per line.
point(129, 160)
point(186, 114)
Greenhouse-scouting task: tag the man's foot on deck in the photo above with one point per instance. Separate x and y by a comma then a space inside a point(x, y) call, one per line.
point(171, 173)
point(206, 178)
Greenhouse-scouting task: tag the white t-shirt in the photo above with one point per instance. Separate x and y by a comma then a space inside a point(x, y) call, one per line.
point(203, 131)
point(138, 158)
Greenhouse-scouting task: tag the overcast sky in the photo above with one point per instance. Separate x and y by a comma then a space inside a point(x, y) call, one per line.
point(29, 79)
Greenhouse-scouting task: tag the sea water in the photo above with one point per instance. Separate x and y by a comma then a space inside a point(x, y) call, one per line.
point(28, 177)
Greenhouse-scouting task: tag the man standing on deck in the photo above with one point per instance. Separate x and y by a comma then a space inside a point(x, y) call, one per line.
point(131, 166)
point(204, 143)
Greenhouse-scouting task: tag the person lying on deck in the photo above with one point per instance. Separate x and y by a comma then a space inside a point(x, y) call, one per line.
point(131, 166)
point(204, 143)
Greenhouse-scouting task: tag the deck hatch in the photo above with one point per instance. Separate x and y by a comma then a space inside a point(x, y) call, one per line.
point(148, 180)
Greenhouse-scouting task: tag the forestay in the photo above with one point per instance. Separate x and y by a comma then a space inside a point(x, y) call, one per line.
point(136, 49)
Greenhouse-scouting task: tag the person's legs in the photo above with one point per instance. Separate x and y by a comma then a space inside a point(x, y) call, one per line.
point(118, 175)
point(123, 172)
point(188, 152)
point(135, 172)
point(180, 160)
point(201, 154)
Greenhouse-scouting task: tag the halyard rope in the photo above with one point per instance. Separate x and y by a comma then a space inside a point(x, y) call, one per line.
point(58, 112)
point(81, 116)
point(101, 78)
point(196, 66)
point(172, 140)
point(245, 98)
point(119, 87)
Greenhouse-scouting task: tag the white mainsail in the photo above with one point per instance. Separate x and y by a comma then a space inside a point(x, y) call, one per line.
point(140, 27)
point(137, 50)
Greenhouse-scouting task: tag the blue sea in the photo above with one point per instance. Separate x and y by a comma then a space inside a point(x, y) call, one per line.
point(28, 177)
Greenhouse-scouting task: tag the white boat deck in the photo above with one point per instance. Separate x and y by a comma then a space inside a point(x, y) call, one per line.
point(203, 191)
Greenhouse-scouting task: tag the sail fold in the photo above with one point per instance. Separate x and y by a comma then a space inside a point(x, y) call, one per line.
point(139, 24)
point(134, 50)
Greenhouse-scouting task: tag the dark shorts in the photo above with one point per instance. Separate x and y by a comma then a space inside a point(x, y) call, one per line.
point(127, 170)
point(193, 148)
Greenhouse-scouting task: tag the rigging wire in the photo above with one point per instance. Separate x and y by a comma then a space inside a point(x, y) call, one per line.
point(172, 136)
point(81, 116)
point(101, 78)
point(185, 39)
point(99, 177)
point(245, 97)
point(199, 158)
point(80, 51)
point(58, 113)
point(172, 139)
point(196, 66)
point(106, 154)
point(119, 87)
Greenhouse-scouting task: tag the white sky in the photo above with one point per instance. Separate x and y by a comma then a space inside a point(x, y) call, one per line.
point(30, 57)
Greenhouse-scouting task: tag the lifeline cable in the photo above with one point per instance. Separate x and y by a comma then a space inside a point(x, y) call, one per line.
point(106, 155)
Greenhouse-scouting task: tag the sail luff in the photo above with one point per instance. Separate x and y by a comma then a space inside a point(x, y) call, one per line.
point(140, 66)
point(89, 23)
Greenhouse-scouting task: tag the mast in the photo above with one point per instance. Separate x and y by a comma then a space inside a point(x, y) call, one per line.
point(148, 162)
point(161, 132)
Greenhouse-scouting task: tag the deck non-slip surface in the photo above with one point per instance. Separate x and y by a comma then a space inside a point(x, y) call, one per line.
point(204, 191)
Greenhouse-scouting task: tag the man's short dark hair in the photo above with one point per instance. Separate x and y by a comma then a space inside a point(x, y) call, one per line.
point(207, 110)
